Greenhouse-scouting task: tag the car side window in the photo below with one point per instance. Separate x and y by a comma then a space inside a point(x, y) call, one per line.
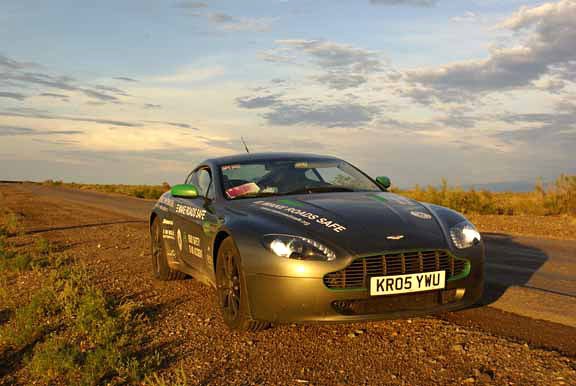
point(204, 183)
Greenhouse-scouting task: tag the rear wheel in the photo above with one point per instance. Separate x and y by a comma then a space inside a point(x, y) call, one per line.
point(231, 288)
point(160, 266)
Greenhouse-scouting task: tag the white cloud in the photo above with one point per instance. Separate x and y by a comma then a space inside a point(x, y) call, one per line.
point(550, 41)
point(468, 17)
point(232, 23)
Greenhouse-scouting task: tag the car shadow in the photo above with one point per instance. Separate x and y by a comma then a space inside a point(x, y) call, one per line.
point(509, 263)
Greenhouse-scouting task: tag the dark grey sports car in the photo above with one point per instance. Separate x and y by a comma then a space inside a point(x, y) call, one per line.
point(305, 238)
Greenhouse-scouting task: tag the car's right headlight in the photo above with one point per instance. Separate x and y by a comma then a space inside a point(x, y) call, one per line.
point(464, 235)
point(297, 247)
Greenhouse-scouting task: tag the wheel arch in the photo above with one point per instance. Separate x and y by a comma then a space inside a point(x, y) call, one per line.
point(220, 237)
point(153, 217)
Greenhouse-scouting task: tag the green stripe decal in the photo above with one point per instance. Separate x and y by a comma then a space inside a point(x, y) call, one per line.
point(289, 202)
point(376, 197)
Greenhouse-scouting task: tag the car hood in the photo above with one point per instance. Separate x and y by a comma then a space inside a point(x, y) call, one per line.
point(360, 222)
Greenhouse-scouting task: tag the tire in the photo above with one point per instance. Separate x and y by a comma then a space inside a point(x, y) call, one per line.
point(160, 267)
point(232, 291)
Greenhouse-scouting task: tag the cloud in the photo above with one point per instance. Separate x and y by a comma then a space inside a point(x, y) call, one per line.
point(550, 33)
point(341, 80)
point(11, 64)
point(41, 115)
point(53, 95)
point(468, 17)
point(8, 131)
point(334, 55)
point(323, 115)
point(152, 106)
point(175, 124)
point(556, 128)
point(16, 75)
point(125, 79)
point(190, 5)
point(113, 90)
point(343, 66)
point(416, 3)
point(12, 95)
point(257, 102)
point(100, 96)
point(219, 18)
point(231, 23)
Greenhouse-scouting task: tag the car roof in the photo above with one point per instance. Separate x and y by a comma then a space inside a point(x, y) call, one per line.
point(247, 157)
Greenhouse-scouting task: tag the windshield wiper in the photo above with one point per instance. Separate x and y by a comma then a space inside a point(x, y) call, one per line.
point(320, 189)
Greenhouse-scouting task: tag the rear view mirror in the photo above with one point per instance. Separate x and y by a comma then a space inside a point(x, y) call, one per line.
point(184, 191)
point(384, 182)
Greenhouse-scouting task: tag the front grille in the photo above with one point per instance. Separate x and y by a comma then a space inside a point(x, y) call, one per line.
point(357, 275)
point(383, 304)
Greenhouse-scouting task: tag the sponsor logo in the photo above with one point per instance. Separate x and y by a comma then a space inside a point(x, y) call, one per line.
point(191, 211)
point(179, 239)
point(168, 234)
point(166, 201)
point(422, 215)
point(194, 246)
point(300, 215)
point(167, 222)
point(395, 237)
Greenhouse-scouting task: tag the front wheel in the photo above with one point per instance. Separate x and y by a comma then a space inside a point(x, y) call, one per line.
point(231, 288)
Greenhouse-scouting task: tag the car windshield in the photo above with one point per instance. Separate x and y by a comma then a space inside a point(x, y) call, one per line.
point(296, 176)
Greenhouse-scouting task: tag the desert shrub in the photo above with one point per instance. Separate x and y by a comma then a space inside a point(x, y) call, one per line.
point(72, 332)
point(177, 378)
point(560, 198)
point(14, 261)
point(8, 223)
point(53, 182)
point(31, 320)
point(42, 246)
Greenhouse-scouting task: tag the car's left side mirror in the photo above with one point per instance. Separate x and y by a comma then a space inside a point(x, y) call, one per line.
point(184, 191)
point(384, 182)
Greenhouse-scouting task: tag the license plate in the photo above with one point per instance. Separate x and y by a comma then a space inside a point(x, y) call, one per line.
point(401, 284)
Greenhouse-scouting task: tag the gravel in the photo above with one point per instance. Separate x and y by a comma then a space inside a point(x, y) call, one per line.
point(185, 326)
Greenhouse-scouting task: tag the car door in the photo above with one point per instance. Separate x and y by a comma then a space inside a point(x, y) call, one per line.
point(191, 214)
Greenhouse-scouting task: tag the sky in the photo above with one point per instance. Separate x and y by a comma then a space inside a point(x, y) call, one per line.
point(140, 91)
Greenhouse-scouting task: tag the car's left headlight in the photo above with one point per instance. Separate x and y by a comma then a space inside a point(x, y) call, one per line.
point(464, 235)
point(297, 247)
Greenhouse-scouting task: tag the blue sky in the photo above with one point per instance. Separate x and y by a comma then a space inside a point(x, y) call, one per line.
point(139, 91)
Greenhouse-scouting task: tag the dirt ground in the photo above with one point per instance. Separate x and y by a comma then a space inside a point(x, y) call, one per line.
point(186, 328)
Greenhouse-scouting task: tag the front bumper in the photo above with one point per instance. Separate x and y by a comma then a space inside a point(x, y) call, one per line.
point(300, 299)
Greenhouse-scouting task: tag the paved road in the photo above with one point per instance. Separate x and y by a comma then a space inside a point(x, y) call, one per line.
point(533, 278)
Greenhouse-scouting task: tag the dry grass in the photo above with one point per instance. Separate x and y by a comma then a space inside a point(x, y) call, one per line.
point(140, 191)
point(558, 198)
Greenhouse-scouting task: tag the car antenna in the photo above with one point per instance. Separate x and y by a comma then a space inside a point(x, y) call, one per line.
point(245, 146)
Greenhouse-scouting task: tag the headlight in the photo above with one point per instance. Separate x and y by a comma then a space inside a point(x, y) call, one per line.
point(297, 247)
point(464, 235)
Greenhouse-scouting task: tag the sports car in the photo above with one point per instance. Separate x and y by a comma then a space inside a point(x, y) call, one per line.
point(288, 237)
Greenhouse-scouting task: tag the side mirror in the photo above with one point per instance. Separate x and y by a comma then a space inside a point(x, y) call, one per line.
point(384, 182)
point(184, 191)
